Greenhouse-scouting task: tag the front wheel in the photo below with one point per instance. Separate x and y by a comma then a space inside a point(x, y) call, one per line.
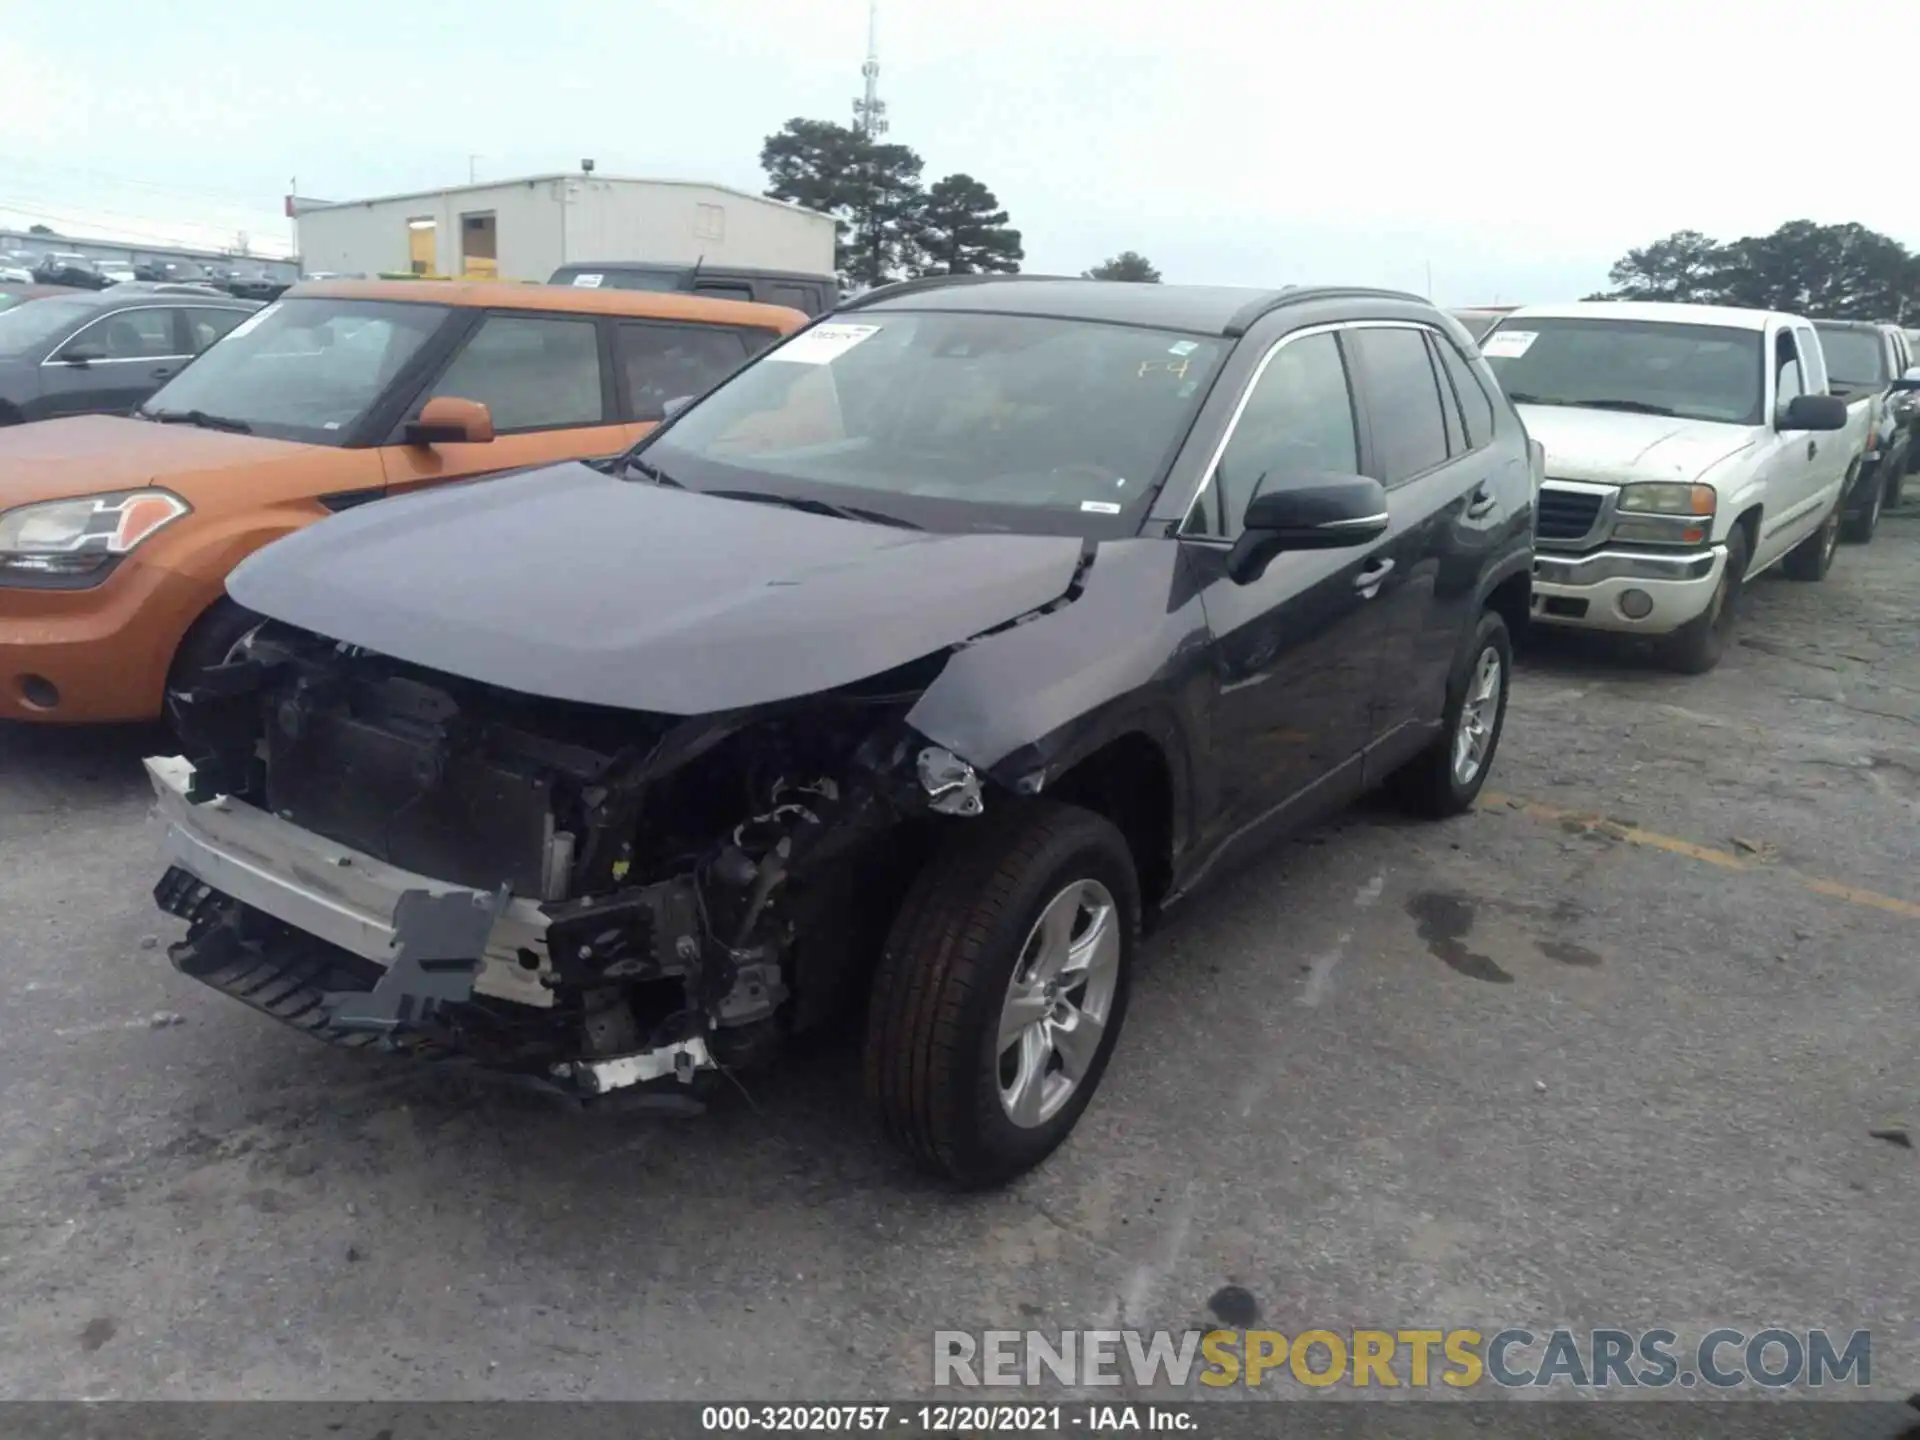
point(1445, 778)
point(1001, 991)
point(1696, 647)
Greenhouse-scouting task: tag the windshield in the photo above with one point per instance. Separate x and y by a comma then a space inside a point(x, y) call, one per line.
point(1855, 358)
point(588, 278)
point(304, 369)
point(954, 421)
point(1691, 372)
point(26, 327)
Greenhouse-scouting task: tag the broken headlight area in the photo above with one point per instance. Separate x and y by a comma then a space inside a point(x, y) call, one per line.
point(385, 855)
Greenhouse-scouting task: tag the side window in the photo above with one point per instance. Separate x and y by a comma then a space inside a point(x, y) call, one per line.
point(1813, 361)
point(758, 340)
point(1403, 403)
point(1298, 418)
point(659, 363)
point(130, 335)
point(804, 298)
point(1449, 405)
point(206, 326)
point(532, 372)
point(723, 290)
point(1474, 404)
point(1786, 366)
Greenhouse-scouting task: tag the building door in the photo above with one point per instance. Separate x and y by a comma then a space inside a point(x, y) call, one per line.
point(422, 247)
point(479, 247)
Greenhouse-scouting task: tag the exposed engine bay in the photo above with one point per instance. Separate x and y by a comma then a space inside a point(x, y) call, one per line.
point(674, 894)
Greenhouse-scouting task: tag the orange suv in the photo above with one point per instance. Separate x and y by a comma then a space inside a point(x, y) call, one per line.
point(117, 534)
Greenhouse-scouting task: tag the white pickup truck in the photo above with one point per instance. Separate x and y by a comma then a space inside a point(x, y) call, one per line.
point(1689, 448)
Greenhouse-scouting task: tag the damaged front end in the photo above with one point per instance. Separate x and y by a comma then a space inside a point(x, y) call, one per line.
point(591, 898)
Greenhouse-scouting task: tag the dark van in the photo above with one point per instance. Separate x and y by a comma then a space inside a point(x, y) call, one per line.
point(797, 290)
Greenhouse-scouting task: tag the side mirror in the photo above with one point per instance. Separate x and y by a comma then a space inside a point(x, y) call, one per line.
point(1311, 512)
point(445, 420)
point(1814, 412)
point(674, 406)
point(82, 355)
point(1908, 381)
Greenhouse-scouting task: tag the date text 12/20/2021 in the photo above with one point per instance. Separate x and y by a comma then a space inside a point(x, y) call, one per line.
point(945, 1419)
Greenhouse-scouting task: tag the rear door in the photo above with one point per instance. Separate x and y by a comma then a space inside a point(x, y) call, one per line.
point(1435, 458)
point(548, 382)
point(657, 362)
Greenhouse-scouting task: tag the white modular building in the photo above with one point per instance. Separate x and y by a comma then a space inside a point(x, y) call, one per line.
point(526, 229)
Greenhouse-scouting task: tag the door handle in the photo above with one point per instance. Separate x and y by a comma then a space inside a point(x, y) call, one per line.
point(1813, 448)
point(1481, 503)
point(1368, 581)
point(162, 372)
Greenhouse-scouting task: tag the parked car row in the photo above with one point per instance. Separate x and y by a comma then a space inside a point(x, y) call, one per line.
point(83, 272)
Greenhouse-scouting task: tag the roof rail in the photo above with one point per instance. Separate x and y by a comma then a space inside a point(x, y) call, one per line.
point(935, 282)
point(1250, 314)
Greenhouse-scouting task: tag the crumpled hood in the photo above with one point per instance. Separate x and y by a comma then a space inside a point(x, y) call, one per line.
point(95, 454)
point(569, 583)
point(1614, 447)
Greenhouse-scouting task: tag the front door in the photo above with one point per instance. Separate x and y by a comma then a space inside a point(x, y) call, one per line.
point(1791, 465)
point(1296, 650)
point(546, 382)
point(112, 364)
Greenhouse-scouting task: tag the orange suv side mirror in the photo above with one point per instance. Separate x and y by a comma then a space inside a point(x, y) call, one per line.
point(446, 420)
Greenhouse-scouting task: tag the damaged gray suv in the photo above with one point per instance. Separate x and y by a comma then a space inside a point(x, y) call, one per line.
point(913, 668)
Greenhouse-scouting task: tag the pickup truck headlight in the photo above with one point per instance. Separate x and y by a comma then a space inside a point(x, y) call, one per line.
point(70, 539)
point(1661, 498)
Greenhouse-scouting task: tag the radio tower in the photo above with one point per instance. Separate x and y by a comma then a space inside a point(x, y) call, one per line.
point(870, 111)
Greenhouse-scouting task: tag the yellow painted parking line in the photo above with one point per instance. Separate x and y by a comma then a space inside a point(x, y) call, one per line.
point(1709, 854)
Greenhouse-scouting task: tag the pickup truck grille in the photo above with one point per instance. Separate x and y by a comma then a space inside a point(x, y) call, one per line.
point(1565, 514)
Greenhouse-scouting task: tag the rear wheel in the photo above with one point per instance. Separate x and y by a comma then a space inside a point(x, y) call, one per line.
point(1445, 778)
point(1813, 557)
point(1696, 647)
point(1859, 530)
point(1001, 991)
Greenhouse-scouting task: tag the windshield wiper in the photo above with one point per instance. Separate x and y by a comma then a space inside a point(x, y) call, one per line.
point(1635, 407)
point(816, 507)
point(200, 418)
point(624, 463)
point(1519, 398)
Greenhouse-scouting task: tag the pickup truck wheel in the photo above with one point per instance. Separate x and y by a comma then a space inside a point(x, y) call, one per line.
point(1813, 557)
point(1001, 990)
point(1859, 530)
point(1696, 647)
point(1445, 778)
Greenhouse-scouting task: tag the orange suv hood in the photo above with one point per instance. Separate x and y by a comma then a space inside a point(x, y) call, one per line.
point(94, 454)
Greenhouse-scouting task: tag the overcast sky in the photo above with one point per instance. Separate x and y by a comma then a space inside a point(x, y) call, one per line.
point(1516, 149)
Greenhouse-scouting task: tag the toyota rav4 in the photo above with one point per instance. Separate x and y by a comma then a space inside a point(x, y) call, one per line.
point(912, 667)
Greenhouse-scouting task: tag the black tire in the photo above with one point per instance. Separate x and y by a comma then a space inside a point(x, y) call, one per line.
point(1858, 529)
point(1429, 784)
point(932, 1061)
point(210, 640)
point(1810, 560)
point(1696, 647)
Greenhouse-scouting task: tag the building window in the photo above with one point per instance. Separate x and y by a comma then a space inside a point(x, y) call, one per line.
point(709, 222)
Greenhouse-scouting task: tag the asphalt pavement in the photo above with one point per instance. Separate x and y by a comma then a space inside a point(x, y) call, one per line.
point(1609, 1051)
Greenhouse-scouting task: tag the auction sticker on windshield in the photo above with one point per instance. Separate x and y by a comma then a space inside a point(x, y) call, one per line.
point(588, 282)
point(1508, 344)
point(823, 343)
